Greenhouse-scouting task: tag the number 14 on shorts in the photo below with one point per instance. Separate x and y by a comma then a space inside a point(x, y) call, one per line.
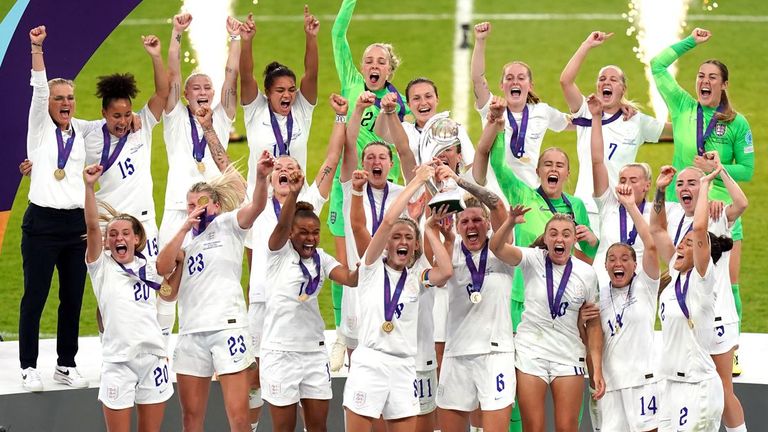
point(648, 406)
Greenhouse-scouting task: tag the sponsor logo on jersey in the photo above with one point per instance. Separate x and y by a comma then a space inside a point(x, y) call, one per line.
point(720, 129)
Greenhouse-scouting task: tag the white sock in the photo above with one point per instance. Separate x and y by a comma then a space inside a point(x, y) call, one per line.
point(254, 399)
point(254, 426)
point(741, 428)
point(166, 317)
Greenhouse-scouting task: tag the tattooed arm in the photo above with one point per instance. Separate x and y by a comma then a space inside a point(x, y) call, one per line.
point(336, 144)
point(489, 199)
point(229, 88)
point(218, 152)
point(664, 244)
point(180, 23)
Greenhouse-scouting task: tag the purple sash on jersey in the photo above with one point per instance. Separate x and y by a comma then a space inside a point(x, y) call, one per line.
point(556, 298)
point(701, 138)
point(377, 218)
point(680, 228)
point(282, 145)
point(585, 122)
point(551, 206)
point(477, 273)
point(64, 149)
point(517, 141)
point(391, 300)
point(391, 89)
point(312, 282)
point(682, 293)
point(142, 275)
point(276, 205)
point(623, 237)
point(198, 145)
point(205, 220)
point(107, 160)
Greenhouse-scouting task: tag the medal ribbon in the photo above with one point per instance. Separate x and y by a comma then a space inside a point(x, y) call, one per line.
point(680, 228)
point(377, 218)
point(107, 160)
point(276, 206)
point(556, 299)
point(623, 237)
point(477, 273)
point(198, 145)
point(391, 89)
point(517, 141)
point(312, 282)
point(701, 138)
point(585, 122)
point(551, 206)
point(205, 220)
point(682, 293)
point(142, 275)
point(64, 149)
point(391, 300)
point(282, 145)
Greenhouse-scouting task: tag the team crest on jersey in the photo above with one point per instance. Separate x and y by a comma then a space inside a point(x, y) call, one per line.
point(359, 398)
point(112, 392)
point(720, 129)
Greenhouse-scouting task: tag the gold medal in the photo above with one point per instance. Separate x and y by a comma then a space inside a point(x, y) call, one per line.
point(203, 200)
point(690, 323)
point(59, 174)
point(388, 326)
point(475, 297)
point(303, 297)
point(165, 290)
point(525, 159)
point(201, 167)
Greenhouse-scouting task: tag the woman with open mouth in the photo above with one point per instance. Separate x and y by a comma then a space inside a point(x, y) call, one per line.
point(615, 225)
point(550, 341)
point(678, 219)
point(627, 311)
point(623, 135)
point(718, 128)
point(213, 326)
point(693, 391)
point(135, 364)
point(294, 360)
point(316, 194)
point(382, 376)
point(526, 119)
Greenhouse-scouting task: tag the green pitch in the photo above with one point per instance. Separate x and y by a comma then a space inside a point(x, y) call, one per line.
point(426, 47)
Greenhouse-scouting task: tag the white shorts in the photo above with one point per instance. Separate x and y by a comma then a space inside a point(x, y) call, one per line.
point(440, 313)
point(425, 388)
point(170, 225)
point(288, 376)
point(256, 312)
point(204, 353)
point(633, 409)
point(141, 380)
point(350, 321)
point(487, 380)
point(726, 338)
point(381, 385)
point(691, 406)
point(545, 369)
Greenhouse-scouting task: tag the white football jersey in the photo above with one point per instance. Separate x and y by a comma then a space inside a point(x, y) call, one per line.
point(483, 327)
point(258, 128)
point(291, 324)
point(182, 166)
point(210, 295)
point(686, 351)
point(628, 316)
point(128, 309)
point(621, 141)
point(541, 336)
point(540, 118)
point(262, 230)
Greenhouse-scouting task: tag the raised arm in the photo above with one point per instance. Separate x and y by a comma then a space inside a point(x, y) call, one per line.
point(442, 267)
point(180, 24)
point(710, 162)
point(503, 250)
point(599, 169)
point(350, 162)
point(249, 87)
point(229, 87)
point(284, 225)
point(311, 58)
point(489, 199)
point(668, 87)
point(38, 108)
point(36, 37)
point(218, 152)
point(701, 246)
point(573, 96)
point(650, 262)
point(342, 53)
point(95, 239)
point(248, 213)
point(493, 131)
point(357, 218)
point(397, 134)
point(336, 145)
point(159, 98)
point(659, 232)
point(379, 240)
point(171, 254)
point(477, 70)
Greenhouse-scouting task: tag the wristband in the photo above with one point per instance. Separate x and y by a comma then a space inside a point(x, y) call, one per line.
point(36, 44)
point(341, 118)
point(392, 111)
point(357, 193)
